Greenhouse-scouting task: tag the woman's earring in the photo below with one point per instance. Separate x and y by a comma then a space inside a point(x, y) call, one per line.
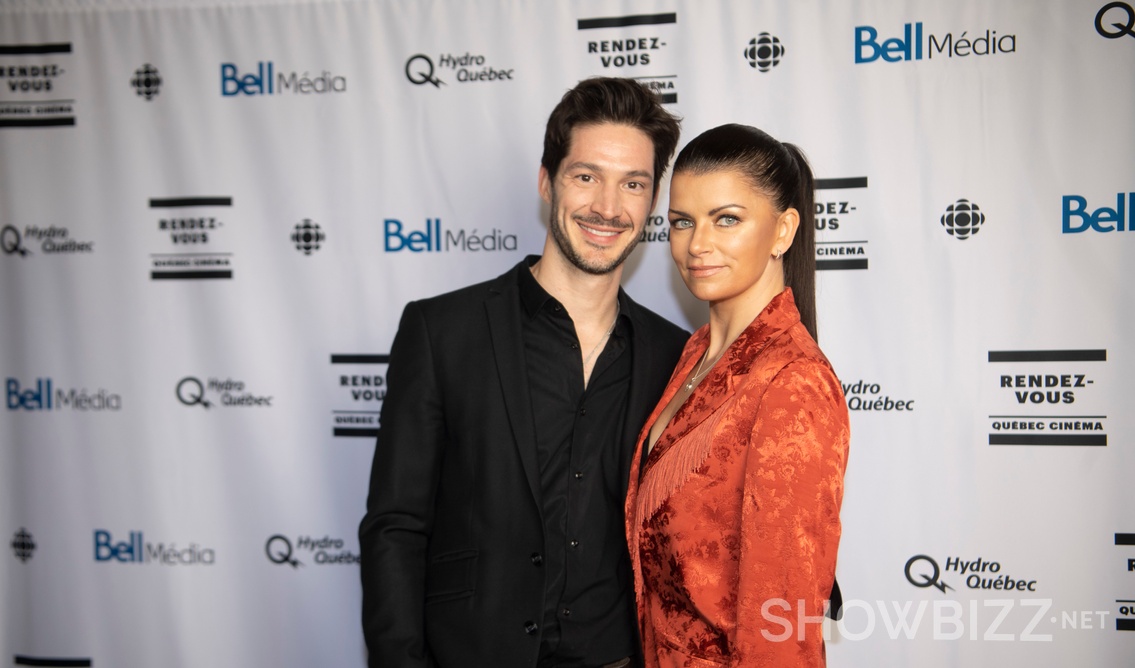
point(776, 256)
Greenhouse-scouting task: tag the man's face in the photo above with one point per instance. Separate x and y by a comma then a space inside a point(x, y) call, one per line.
point(601, 196)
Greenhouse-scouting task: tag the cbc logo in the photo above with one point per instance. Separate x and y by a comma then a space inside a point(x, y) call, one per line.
point(764, 52)
point(962, 219)
point(308, 236)
point(147, 82)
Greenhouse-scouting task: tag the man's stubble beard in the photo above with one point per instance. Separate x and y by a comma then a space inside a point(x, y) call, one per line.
point(560, 236)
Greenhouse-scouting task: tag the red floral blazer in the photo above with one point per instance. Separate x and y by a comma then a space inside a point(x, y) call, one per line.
point(733, 520)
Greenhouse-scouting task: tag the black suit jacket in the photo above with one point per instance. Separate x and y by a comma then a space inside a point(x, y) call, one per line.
point(451, 538)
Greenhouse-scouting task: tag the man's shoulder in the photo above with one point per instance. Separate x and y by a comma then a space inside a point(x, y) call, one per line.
point(467, 296)
point(657, 327)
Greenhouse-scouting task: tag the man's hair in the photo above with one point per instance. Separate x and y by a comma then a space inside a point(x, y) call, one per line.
point(610, 100)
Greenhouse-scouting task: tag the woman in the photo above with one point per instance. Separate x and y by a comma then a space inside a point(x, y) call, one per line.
point(734, 497)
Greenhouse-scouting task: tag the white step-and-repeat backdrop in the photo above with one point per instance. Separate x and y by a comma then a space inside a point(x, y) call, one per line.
point(211, 215)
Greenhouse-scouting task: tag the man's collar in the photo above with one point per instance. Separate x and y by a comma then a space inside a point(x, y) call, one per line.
point(534, 297)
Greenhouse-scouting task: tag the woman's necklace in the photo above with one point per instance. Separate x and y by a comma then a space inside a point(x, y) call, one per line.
point(698, 373)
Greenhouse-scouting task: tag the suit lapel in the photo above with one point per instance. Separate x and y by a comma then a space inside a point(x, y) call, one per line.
point(646, 375)
point(713, 391)
point(502, 308)
point(721, 383)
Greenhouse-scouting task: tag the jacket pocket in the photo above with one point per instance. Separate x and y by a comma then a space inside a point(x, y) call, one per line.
point(452, 575)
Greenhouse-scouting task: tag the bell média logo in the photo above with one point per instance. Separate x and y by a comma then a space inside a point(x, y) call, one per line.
point(1047, 397)
point(360, 382)
point(1078, 216)
point(136, 550)
point(434, 237)
point(266, 78)
point(191, 236)
point(915, 42)
point(46, 394)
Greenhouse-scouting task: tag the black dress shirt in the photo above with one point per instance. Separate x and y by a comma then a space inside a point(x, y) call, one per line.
point(588, 604)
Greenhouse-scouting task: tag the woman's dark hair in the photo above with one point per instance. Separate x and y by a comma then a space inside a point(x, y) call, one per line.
point(610, 100)
point(780, 172)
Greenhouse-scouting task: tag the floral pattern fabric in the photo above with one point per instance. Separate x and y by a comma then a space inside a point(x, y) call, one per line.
point(733, 520)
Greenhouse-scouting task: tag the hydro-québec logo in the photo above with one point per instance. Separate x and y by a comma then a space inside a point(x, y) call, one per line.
point(433, 238)
point(869, 47)
point(135, 550)
point(266, 80)
point(1076, 216)
point(45, 396)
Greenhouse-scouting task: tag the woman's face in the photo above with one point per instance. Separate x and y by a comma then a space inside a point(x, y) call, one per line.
point(723, 236)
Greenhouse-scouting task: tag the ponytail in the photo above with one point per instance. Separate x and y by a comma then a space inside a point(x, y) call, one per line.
point(800, 259)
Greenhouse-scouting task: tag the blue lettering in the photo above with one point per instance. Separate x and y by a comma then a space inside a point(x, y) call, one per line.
point(1079, 211)
point(896, 49)
point(865, 37)
point(13, 388)
point(249, 84)
point(392, 229)
point(31, 400)
point(1104, 219)
point(1106, 215)
point(416, 242)
point(908, 47)
point(228, 75)
point(105, 549)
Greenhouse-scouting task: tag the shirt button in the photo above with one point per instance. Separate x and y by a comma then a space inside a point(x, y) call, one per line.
point(537, 559)
point(573, 346)
point(574, 543)
point(583, 411)
point(531, 627)
point(579, 475)
point(566, 612)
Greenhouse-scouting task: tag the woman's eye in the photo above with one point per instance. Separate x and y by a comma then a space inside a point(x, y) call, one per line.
point(728, 221)
point(680, 224)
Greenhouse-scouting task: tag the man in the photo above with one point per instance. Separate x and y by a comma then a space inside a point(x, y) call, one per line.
point(493, 534)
